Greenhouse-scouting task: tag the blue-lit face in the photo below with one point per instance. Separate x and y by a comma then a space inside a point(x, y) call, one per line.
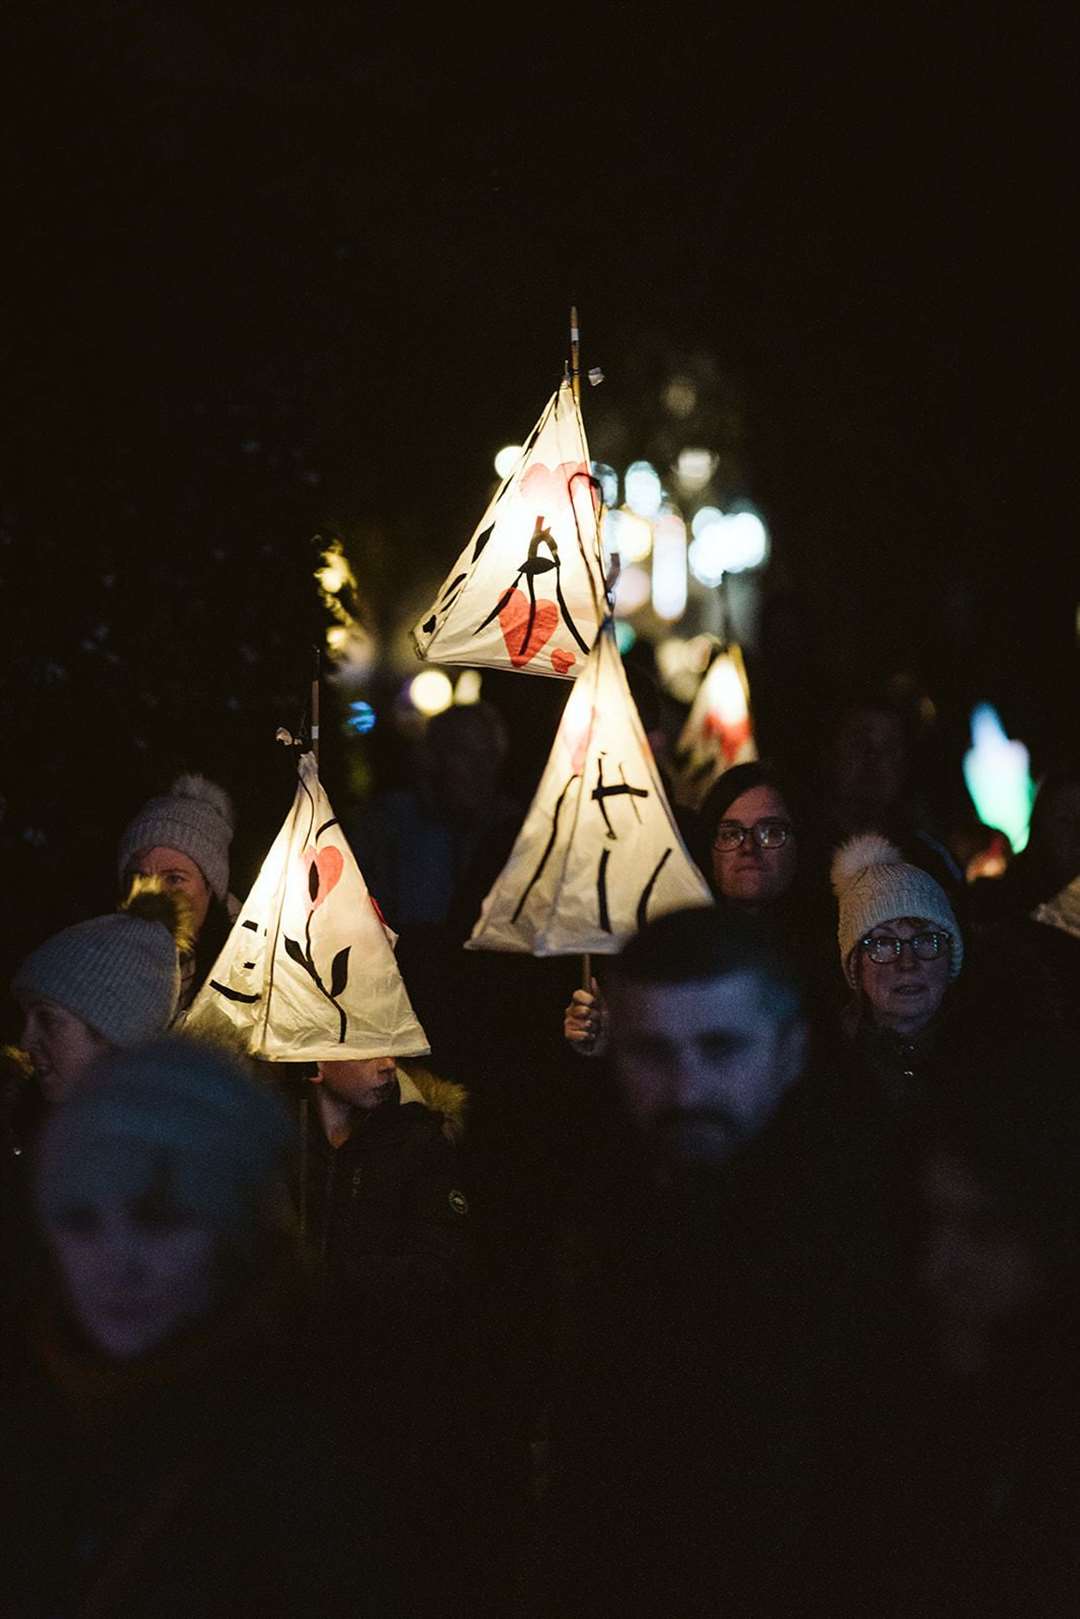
point(702, 1067)
point(134, 1274)
point(60, 1045)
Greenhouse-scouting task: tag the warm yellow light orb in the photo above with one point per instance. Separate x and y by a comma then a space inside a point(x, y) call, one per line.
point(430, 691)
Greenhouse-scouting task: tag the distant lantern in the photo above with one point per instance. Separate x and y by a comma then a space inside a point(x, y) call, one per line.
point(996, 775)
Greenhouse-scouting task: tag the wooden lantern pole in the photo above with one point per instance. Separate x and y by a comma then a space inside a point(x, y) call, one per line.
point(315, 671)
point(575, 356)
point(575, 382)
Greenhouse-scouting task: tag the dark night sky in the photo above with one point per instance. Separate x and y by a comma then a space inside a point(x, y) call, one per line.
point(269, 272)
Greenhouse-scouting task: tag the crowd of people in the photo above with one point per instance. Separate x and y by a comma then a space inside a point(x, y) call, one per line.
point(742, 1281)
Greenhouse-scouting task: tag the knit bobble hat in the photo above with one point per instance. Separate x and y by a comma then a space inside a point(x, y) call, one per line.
point(874, 884)
point(195, 816)
point(119, 974)
point(176, 1117)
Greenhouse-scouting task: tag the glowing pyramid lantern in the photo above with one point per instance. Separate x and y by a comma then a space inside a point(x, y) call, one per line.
point(308, 972)
point(599, 853)
point(718, 732)
point(527, 592)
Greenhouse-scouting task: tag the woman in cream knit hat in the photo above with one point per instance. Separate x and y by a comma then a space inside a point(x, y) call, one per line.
point(900, 950)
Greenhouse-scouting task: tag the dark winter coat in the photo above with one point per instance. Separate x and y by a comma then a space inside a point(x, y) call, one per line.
point(386, 1215)
point(205, 1480)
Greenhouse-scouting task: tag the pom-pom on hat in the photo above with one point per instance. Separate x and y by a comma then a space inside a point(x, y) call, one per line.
point(195, 816)
point(119, 974)
point(874, 884)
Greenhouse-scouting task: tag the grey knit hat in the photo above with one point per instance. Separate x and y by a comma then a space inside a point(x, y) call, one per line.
point(175, 1116)
point(196, 817)
point(120, 974)
point(874, 884)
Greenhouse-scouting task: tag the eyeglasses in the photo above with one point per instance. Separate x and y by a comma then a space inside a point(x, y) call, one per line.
point(766, 834)
point(885, 947)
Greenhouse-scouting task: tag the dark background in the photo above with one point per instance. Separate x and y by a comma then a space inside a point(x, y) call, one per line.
point(273, 273)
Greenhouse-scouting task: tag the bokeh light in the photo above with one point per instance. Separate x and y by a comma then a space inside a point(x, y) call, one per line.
point(431, 691)
point(631, 590)
point(608, 480)
point(644, 493)
point(628, 534)
point(669, 567)
point(467, 690)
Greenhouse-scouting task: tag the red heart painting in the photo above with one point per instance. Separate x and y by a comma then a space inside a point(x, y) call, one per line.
point(322, 871)
point(562, 661)
point(513, 619)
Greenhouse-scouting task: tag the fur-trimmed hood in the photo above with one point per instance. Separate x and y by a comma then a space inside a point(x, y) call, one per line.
point(441, 1096)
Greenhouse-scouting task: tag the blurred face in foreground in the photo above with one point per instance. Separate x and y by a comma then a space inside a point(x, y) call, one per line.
point(135, 1271)
point(748, 874)
point(60, 1045)
point(363, 1082)
point(702, 1066)
point(904, 992)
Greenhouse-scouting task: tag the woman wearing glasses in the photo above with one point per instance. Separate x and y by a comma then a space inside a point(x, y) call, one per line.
point(750, 848)
point(900, 950)
point(747, 849)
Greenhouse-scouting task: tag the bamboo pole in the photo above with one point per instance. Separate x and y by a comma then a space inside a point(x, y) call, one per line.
point(575, 382)
point(316, 666)
point(575, 356)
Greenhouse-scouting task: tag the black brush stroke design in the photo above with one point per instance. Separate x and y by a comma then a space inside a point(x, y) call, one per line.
point(233, 994)
point(533, 565)
point(301, 954)
point(481, 540)
point(601, 891)
point(646, 892)
point(602, 792)
point(535, 878)
point(594, 483)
